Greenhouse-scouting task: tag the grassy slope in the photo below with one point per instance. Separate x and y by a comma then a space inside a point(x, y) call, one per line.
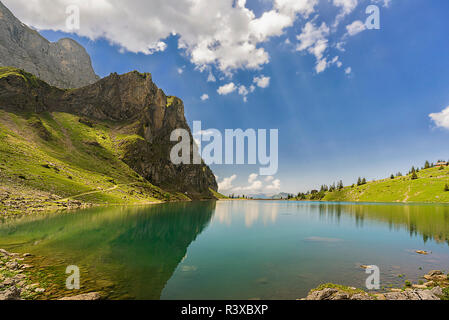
point(57, 154)
point(11, 71)
point(429, 187)
point(218, 195)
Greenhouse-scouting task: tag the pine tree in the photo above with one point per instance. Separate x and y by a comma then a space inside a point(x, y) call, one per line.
point(359, 181)
point(363, 181)
point(392, 176)
point(340, 185)
point(427, 165)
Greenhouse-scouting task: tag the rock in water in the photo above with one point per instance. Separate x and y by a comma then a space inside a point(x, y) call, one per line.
point(64, 64)
point(84, 297)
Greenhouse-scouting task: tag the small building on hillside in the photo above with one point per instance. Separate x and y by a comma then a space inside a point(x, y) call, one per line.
point(442, 164)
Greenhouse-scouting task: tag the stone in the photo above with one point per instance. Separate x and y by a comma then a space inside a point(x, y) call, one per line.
point(39, 290)
point(12, 293)
point(9, 282)
point(20, 277)
point(419, 286)
point(361, 297)
point(84, 297)
point(12, 265)
point(4, 252)
point(340, 296)
point(437, 291)
point(427, 295)
point(324, 294)
point(404, 295)
point(435, 273)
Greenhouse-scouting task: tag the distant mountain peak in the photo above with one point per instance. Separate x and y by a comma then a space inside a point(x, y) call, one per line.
point(64, 64)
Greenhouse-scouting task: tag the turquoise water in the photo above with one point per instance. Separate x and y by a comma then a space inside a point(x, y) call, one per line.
point(235, 249)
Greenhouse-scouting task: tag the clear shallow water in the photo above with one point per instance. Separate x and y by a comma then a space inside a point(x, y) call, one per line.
point(234, 249)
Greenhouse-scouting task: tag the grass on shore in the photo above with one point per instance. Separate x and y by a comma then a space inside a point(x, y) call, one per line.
point(428, 188)
point(58, 155)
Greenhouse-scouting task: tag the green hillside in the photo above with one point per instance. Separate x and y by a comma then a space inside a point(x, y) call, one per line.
point(430, 186)
point(56, 160)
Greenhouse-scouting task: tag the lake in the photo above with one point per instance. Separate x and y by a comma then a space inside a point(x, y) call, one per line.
point(232, 249)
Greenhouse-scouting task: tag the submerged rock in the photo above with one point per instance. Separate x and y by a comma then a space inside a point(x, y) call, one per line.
point(84, 297)
point(12, 293)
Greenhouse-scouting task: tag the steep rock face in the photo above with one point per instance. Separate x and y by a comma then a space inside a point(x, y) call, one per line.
point(134, 105)
point(64, 64)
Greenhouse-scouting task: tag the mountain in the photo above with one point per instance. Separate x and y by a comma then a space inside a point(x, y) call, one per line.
point(64, 64)
point(108, 142)
point(282, 195)
point(265, 196)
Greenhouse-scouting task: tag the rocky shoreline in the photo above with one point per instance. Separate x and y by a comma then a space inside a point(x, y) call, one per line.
point(436, 288)
point(16, 201)
point(16, 282)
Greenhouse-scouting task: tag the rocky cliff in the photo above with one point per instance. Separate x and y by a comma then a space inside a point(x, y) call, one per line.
point(132, 106)
point(64, 64)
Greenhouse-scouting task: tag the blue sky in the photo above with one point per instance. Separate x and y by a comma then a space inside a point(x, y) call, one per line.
point(371, 122)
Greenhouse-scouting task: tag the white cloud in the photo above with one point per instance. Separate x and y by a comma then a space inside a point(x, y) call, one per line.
point(340, 46)
point(441, 119)
point(243, 92)
point(252, 177)
point(212, 32)
point(314, 40)
point(227, 89)
point(321, 65)
point(348, 70)
point(218, 36)
point(262, 81)
point(355, 28)
point(336, 61)
point(180, 70)
point(255, 185)
point(386, 3)
point(275, 185)
point(347, 6)
point(226, 184)
point(211, 78)
point(204, 97)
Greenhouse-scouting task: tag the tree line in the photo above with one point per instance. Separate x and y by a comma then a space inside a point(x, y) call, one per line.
point(321, 193)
